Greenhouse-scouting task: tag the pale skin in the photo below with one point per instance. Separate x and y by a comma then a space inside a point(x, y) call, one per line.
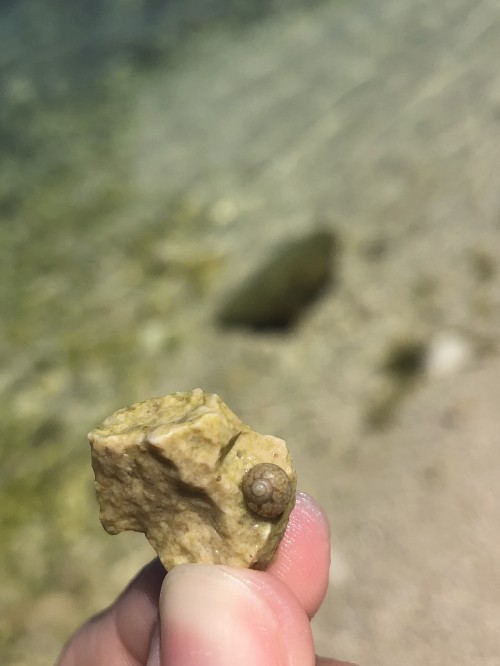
point(213, 615)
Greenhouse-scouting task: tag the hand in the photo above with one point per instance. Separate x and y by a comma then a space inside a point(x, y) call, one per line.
point(213, 615)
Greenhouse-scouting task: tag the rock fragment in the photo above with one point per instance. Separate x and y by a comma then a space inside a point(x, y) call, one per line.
point(173, 467)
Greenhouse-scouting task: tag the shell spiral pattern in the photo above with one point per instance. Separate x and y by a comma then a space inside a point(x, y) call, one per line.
point(267, 489)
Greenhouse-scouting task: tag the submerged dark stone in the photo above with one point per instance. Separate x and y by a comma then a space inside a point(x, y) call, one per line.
point(277, 293)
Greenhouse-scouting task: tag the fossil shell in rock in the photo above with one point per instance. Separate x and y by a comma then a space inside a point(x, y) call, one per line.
point(267, 489)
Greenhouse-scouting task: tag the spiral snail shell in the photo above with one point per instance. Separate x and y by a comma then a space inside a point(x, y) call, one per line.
point(267, 489)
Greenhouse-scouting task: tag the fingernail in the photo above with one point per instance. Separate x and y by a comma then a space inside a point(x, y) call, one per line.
point(211, 616)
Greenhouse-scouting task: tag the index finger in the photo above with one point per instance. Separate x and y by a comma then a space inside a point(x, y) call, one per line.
point(302, 561)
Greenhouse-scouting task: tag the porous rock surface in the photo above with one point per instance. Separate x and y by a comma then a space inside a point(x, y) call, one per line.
point(172, 467)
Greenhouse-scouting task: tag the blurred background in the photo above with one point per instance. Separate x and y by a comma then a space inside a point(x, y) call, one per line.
point(295, 205)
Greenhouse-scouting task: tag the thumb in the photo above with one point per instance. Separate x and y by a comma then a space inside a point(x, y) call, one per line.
point(219, 616)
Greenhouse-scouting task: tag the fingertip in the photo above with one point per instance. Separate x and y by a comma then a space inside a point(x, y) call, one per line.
point(214, 615)
point(303, 558)
point(135, 610)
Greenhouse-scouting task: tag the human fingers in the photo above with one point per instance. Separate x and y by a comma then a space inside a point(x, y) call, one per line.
point(125, 629)
point(303, 558)
point(201, 607)
point(122, 633)
point(220, 616)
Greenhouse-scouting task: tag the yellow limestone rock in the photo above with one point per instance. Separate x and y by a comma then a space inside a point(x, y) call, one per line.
point(182, 469)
